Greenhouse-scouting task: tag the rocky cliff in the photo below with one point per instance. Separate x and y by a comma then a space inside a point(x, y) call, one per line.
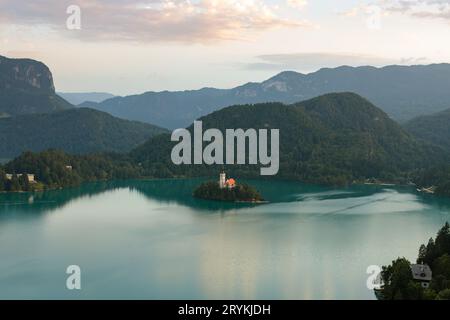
point(26, 86)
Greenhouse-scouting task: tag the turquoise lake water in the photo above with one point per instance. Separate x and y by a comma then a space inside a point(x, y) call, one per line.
point(152, 240)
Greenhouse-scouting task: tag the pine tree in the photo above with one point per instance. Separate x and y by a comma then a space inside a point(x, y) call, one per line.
point(422, 254)
point(443, 240)
point(431, 252)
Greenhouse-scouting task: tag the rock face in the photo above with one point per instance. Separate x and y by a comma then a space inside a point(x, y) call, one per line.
point(25, 74)
point(26, 86)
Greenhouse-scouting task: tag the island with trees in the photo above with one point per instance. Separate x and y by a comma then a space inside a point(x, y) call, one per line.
point(228, 190)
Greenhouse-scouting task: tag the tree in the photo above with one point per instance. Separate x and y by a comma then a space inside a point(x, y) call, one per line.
point(443, 240)
point(398, 282)
point(24, 182)
point(441, 266)
point(398, 278)
point(3, 180)
point(429, 294)
point(422, 254)
point(242, 192)
point(431, 252)
point(13, 185)
point(444, 295)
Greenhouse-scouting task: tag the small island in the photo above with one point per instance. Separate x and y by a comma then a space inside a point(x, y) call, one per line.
point(228, 190)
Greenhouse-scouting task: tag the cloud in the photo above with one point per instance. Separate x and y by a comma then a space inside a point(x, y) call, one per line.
point(438, 9)
point(152, 20)
point(298, 4)
point(307, 62)
point(421, 8)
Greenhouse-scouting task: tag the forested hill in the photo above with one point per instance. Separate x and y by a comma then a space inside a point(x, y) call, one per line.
point(433, 128)
point(333, 139)
point(76, 131)
point(26, 86)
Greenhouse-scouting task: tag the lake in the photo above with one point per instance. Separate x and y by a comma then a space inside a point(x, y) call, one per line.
point(152, 240)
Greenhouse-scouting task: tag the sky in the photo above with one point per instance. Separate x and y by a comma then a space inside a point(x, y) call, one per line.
point(132, 46)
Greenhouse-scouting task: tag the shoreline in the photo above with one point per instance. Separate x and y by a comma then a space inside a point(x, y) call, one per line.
point(380, 184)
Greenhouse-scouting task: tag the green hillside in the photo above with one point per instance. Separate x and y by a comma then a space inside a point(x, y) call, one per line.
point(433, 128)
point(333, 139)
point(51, 170)
point(76, 131)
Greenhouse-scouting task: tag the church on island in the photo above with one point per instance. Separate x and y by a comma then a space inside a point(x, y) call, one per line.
point(226, 183)
point(227, 190)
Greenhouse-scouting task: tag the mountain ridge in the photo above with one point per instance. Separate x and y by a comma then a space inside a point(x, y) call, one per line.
point(77, 98)
point(402, 91)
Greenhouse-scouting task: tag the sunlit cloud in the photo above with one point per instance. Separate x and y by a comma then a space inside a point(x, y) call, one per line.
point(298, 4)
point(439, 9)
point(154, 20)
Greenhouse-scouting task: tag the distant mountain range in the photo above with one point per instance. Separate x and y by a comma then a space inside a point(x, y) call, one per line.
point(26, 86)
point(331, 139)
point(77, 98)
point(403, 92)
point(434, 128)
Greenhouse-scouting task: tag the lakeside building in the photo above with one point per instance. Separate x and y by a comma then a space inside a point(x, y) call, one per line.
point(422, 274)
point(31, 177)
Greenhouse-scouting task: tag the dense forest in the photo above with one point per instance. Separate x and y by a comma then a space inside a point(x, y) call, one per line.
point(333, 139)
point(437, 176)
point(397, 277)
point(56, 169)
point(76, 131)
point(432, 128)
point(242, 192)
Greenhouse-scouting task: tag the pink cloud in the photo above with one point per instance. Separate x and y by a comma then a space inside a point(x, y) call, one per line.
point(154, 20)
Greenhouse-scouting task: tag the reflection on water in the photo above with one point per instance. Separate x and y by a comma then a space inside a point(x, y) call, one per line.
point(152, 239)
